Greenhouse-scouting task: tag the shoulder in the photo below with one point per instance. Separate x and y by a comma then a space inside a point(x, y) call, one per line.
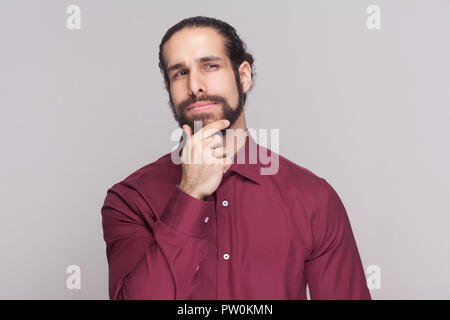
point(147, 189)
point(153, 176)
point(299, 176)
point(302, 183)
point(312, 192)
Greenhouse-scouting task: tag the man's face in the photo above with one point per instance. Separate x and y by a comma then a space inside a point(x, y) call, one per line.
point(199, 70)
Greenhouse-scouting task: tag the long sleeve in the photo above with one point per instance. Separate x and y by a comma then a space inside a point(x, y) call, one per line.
point(334, 269)
point(150, 257)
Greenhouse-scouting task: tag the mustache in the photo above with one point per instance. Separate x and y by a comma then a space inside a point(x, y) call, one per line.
point(215, 99)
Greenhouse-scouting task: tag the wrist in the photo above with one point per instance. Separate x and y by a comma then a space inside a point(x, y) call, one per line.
point(190, 191)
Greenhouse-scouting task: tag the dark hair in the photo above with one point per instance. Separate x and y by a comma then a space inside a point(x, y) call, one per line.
point(234, 46)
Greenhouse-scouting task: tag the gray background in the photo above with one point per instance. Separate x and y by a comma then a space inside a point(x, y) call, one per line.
point(368, 110)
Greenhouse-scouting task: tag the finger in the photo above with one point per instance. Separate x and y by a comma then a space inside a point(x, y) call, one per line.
point(187, 130)
point(214, 141)
point(219, 152)
point(187, 134)
point(211, 129)
point(219, 156)
point(226, 162)
point(214, 154)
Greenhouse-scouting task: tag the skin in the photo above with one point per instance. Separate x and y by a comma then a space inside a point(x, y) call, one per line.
point(199, 81)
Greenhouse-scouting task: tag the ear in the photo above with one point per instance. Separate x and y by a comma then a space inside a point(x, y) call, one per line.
point(166, 85)
point(245, 76)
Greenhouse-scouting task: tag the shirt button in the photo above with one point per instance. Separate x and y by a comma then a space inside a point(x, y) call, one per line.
point(196, 269)
point(225, 203)
point(226, 256)
point(206, 219)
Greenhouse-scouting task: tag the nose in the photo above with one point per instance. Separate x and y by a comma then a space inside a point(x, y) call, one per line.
point(197, 84)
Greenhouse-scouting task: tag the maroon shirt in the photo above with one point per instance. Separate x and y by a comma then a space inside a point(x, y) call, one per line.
point(256, 237)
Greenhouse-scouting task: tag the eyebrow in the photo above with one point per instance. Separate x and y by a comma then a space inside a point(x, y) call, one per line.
point(202, 59)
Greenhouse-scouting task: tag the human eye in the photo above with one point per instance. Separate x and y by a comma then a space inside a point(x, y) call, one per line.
point(176, 75)
point(211, 66)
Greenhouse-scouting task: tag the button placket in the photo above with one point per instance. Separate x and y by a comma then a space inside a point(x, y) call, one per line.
point(223, 219)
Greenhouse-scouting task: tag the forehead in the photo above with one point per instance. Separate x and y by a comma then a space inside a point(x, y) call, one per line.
point(186, 45)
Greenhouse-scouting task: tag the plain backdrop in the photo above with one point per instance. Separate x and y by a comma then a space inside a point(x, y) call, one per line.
point(368, 110)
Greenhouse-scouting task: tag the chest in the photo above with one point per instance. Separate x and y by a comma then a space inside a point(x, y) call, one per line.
point(257, 222)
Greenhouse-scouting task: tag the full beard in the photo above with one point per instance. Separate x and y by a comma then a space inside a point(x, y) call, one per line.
point(226, 111)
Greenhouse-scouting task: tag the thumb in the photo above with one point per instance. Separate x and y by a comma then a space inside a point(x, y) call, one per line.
point(188, 131)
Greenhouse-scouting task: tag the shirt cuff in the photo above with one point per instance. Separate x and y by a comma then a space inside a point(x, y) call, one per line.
point(187, 214)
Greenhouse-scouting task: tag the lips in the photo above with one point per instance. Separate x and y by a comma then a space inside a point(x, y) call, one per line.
point(199, 104)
